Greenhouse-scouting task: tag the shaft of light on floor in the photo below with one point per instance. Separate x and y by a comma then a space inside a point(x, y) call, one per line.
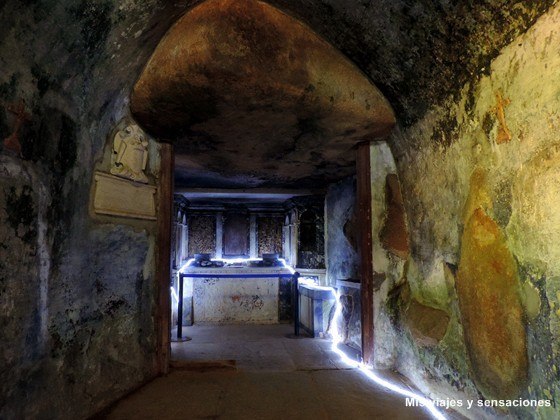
point(368, 372)
point(337, 339)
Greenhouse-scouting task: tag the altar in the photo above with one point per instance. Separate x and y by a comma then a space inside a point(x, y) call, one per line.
point(237, 294)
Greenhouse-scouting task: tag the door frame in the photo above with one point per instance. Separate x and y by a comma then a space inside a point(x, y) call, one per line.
point(163, 259)
point(365, 248)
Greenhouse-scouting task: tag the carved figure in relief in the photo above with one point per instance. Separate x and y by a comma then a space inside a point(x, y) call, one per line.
point(130, 154)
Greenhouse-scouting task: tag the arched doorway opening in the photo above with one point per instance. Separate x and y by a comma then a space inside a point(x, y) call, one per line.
point(252, 99)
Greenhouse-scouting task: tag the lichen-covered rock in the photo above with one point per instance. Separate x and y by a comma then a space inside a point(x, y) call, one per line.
point(531, 300)
point(479, 196)
point(491, 310)
point(535, 219)
point(450, 164)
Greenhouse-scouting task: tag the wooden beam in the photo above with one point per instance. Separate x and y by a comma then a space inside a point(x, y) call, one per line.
point(363, 177)
point(163, 268)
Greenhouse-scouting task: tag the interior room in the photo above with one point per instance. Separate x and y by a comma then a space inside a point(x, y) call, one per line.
point(239, 255)
point(235, 232)
point(254, 157)
point(248, 209)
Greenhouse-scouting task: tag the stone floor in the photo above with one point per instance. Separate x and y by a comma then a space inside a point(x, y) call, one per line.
point(257, 348)
point(276, 378)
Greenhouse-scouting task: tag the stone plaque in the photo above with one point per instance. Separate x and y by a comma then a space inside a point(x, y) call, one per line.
point(119, 197)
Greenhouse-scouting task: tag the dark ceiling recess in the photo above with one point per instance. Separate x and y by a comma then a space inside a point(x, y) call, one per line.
point(251, 97)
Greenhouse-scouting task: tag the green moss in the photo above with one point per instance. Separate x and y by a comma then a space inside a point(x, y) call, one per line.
point(397, 300)
point(431, 291)
point(453, 347)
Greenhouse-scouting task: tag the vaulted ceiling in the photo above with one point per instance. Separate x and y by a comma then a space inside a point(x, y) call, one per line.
point(86, 57)
point(253, 97)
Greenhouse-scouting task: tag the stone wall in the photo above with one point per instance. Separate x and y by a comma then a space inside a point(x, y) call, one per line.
point(341, 232)
point(472, 311)
point(77, 290)
point(77, 296)
point(86, 329)
point(350, 321)
point(24, 268)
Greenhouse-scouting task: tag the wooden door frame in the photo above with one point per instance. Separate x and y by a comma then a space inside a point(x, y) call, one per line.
point(163, 267)
point(364, 213)
point(163, 259)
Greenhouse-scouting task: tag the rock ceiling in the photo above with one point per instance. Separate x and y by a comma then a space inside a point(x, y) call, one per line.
point(252, 97)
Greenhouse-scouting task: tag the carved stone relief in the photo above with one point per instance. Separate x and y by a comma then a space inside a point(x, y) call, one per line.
point(130, 154)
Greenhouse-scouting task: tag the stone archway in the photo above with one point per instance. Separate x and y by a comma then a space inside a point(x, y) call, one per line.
point(251, 97)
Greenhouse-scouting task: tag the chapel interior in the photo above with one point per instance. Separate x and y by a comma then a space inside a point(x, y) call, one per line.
point(247, 209)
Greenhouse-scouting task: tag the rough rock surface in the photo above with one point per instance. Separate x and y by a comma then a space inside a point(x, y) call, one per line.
point(242, 70)
point(22, 279)
point(350, 322)
point(427, 325)
point(82, 332)
point(535, 221)
point(491, 311)
point(455, 176)
point(342, 257)
point(439, 64)
point(394, 235)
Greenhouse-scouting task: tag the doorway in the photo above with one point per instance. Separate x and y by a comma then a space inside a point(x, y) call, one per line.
point(252, 100)
point(233, 267)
